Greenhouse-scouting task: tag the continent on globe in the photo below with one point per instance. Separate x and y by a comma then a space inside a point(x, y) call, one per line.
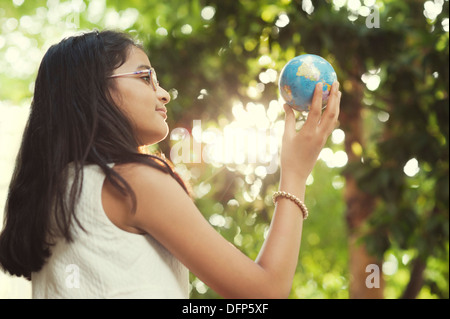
point(288, 92)
point(299, 77)
point(309, 71)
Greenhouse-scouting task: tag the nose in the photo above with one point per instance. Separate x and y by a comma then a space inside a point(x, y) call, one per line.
point(163, 95)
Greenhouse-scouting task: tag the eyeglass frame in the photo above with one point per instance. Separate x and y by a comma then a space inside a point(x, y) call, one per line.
point(151, 74)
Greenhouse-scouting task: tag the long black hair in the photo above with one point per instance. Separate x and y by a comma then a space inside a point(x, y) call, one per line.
point(72, 120)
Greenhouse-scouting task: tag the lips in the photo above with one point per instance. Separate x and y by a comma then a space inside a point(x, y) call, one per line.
point(163, 111)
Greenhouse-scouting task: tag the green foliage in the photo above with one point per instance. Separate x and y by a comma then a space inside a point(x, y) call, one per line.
point(209, 60)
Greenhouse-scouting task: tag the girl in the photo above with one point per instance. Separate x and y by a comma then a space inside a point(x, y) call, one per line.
point(89, 216)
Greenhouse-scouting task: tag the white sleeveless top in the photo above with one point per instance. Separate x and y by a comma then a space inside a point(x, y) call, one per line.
point(106, 261)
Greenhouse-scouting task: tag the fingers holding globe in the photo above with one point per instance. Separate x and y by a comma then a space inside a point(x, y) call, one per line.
point(299, 77)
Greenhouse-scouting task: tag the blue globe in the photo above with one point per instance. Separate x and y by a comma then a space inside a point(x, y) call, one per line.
point(299, 77)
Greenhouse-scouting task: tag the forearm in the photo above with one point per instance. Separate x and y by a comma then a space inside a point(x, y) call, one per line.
point(279, 254)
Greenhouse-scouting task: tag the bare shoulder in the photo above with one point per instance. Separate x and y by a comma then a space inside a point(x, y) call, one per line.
point(148, 185)
point(137, 172)
point(143, 178)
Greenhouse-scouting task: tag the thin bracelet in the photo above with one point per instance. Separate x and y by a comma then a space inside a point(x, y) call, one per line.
point(293, 198)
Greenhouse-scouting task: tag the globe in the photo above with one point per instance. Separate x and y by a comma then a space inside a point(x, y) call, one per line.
point(299, 77)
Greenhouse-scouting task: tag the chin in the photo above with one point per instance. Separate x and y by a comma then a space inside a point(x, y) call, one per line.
point(154, 138)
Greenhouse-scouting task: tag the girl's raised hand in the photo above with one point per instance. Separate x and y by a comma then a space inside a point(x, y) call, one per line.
point(300, 149)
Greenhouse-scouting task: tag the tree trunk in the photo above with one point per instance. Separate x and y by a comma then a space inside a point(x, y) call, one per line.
point(366, 280)
point(416, 281)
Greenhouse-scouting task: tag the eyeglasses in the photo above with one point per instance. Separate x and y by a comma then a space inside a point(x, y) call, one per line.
point(150, 74)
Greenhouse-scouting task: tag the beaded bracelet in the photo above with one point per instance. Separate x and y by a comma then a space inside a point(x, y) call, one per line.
point(293, 198)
